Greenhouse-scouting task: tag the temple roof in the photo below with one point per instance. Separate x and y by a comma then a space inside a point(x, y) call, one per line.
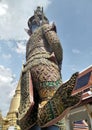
point(84, 84)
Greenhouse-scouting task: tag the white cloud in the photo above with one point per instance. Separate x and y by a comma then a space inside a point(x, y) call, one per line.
point(21, 47)
point(6, 56)
point(3, 9)
point(73, 68)
point(7, 85)
point(14, 17)
point(11, 93)
point(75, 51)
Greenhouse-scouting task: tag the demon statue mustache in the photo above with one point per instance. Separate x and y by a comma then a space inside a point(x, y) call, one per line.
point(45, 99)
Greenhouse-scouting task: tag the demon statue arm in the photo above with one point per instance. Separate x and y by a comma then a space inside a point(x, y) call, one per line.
point(52, 38)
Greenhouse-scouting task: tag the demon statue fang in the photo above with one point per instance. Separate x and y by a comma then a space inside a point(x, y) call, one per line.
point(45, 100)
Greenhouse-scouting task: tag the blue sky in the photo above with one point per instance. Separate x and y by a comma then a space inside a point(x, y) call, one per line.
point(73, 19)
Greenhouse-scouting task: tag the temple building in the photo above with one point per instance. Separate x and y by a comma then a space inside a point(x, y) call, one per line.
point(80, 117)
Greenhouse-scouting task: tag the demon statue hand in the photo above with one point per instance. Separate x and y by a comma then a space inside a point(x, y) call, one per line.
point(44, 98)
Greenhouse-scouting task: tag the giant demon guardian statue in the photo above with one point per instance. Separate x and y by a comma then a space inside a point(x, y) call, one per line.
point(45, 99)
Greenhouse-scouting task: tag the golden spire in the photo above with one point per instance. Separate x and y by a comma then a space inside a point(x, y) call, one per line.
point(13, 110)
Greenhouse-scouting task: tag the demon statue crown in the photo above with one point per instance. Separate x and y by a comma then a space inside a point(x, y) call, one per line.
point(38, 19)
point(45, 99)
